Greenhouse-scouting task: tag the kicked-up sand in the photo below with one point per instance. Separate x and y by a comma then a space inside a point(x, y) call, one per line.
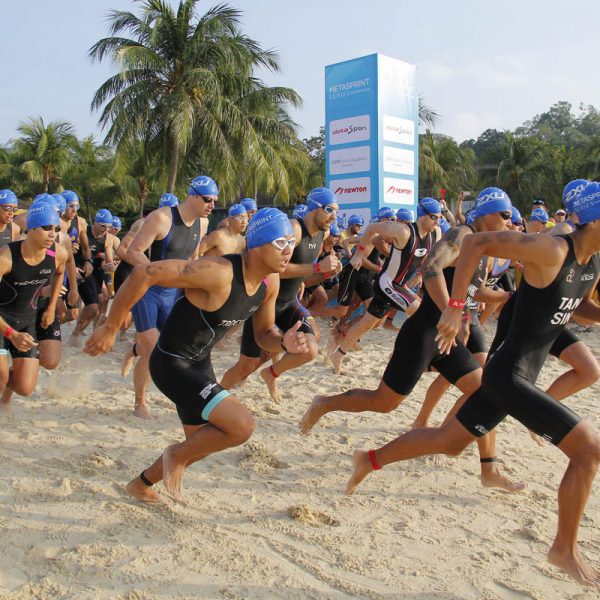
point(269, 519)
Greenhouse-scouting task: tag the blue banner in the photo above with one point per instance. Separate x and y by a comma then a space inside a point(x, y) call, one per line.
point(371, 134)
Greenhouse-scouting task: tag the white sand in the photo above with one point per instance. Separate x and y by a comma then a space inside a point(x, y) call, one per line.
point(415, 530)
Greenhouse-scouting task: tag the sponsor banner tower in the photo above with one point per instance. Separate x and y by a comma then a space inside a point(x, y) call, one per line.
point(371, 134)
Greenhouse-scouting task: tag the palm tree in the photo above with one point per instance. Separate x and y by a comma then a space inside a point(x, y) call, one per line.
point(43, 152)
point(186, 86)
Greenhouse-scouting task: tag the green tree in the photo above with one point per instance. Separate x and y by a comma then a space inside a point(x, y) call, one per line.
point(43, 153)
point(187, 87)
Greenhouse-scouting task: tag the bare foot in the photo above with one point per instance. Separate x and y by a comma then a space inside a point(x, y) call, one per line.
point(538, 439)
point(137, 489)
point(336, 359)
point(312, 415)
point(356, 347)
point(574, 565)
point(173, 474)
point(128, 359)
point(271, 385)
point(5, 408)
point(492, 477)
point(76, 341)
point(361, 466)
point(419, 424)
point(333, 342)
point(123, 335)
point(141, 411)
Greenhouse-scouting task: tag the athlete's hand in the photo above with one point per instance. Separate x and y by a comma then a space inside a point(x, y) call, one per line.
point(48, 317)
point(356, 261)
point(109, 266)
point(101, 341)
point(87, 269)
point(73, 297)
point(448, 327)
point(329, 263)
point(295, 341)
point(22, 341)
point(75, 247)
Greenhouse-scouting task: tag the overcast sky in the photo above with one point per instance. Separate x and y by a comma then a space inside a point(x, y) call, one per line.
point(480, 63)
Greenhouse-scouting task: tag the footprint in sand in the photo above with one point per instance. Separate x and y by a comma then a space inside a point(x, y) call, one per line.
point(306, 514)
point(258, 455)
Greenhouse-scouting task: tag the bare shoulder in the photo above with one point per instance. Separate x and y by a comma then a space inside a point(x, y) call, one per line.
point(81, 222)
point(61, 253)
point(455, 235)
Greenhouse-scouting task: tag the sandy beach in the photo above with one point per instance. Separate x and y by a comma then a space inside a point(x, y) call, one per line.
point(269, 519)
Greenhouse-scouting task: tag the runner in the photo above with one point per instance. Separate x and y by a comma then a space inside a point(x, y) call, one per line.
point(27, 268)
point(570, 193)
point(537, 220)
point(168, 232)
point(410, 244)
point(309, 234)
point(559, 277)
point(415, 350)
point(228, 239)
point(219, 293)
point(9, 230)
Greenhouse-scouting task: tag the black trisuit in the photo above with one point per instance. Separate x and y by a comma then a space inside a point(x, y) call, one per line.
point(389, 286)
point(508, 385)
point(6, 235)
point(288, 309)
point(416, 350)
point(180, 363)
point(91, 286)
point(20, 290)
point(359, 281)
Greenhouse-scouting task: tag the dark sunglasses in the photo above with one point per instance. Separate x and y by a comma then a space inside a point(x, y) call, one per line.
point(506, 215)
point(51, 227)
point(433, 217)
point(208, 199)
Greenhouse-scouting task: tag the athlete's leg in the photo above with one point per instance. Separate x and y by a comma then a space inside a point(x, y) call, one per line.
point(50, 353)
point(244, 367)
point(23, 377)
point(87, 315)
point(582, 447)
point(144, 344)
point(382, 400)
point(585, 371)
point(4, 378)
point(345, 341)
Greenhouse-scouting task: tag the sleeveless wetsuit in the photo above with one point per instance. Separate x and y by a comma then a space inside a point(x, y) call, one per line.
point(6, 235)
point(539, 315)
point(288, 309)
point(399, 267)
point(180, 363)
point(20, 290)
point(91, 286)
point(151, 311)
point(416, 350)
point(359, 281)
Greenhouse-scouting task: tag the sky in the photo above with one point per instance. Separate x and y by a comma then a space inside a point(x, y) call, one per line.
point(481, 64)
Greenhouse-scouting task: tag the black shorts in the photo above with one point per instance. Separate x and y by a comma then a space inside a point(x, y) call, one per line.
point(504, 392)
point(35, 330)
point(190, 385)
point(388, 296)
point(476, 343)
point(286, 315)
point(50, 333)
point(88, 290)
point(563, 341)
point(121, 274)
point(415, 351)
point(351, 281)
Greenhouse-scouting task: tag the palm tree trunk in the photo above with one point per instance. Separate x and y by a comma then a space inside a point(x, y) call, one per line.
point(143, 196)
point(173, 165)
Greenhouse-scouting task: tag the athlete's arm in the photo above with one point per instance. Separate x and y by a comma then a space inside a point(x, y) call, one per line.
point(486, 294)
point(460, 218)
point(71, 270)
point(210, 274)
point(537, 253)
point(203, 231)
point(266, 333)
point(210, 241)
point(56, 286)
point(389, 231)
point(16, 231)
point(447, 213)
point(108, 264)
point(85, 246)
point(155, 227)
point(128, 238)
point(589, 309)
point(442, 255)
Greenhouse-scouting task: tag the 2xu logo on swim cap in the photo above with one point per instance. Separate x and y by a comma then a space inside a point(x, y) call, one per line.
point(572, 194)
point(500, 195)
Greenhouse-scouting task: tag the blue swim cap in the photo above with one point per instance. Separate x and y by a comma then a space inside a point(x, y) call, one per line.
point(267, 225)
point(70, 196)
point(61, 203)
point(571, 192)
point(319, 197)
point(428, 206)
point(116, 222)
point(203, 186)
point(334, 230)
point(237, 209)
point(8, 197)
point(42, 213)
point(168, 200)
point(103, 217)
point(444, 225)
point(385, 212)
point(516, 216)
point(356, 220)
point(539, 214)
point(44, 198)
point(587, 204)
point(405, 214)
point(374, 219)
point(300, 211)
point(249, 204)
point(470, 217)
point(491, 200)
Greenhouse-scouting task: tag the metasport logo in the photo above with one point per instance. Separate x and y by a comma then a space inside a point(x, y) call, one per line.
point(349, 130)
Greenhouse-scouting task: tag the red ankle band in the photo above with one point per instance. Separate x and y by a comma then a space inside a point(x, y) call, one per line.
point(273, 372)
point(373, 460)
